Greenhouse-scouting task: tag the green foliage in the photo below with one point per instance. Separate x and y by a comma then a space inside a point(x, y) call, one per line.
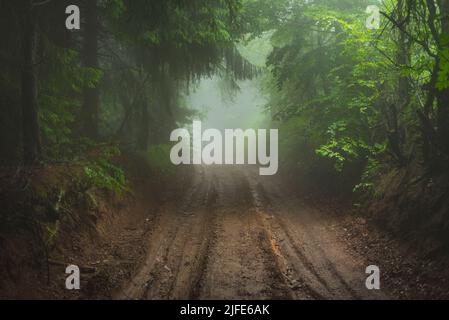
point(51, 233)
point(443, 74)
point(342, 94)
point(330, 79)
point(59, 105)
point(158, 159)
point(102, 173)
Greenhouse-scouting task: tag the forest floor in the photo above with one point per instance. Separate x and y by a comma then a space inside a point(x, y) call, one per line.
point(228, 233)
point(237, 235)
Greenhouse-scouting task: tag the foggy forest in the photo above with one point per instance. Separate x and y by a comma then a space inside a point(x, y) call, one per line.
point(357, 92)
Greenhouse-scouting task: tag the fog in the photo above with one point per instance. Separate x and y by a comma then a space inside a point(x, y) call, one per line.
point(222, 104)
point(220, 109)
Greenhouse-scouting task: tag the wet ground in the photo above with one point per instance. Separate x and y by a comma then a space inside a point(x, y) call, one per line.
point(238, 235)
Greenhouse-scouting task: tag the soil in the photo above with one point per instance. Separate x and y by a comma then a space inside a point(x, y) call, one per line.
point(228, 233)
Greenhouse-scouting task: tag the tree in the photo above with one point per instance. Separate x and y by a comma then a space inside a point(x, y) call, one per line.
point(30, 121)
point(91, 95)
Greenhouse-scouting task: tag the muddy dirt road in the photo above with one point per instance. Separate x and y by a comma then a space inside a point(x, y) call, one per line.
point(237, 235)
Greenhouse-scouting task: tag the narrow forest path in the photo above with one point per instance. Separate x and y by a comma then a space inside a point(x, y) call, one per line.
point(237, 235)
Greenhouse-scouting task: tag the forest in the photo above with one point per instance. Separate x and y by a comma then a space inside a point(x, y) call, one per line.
point(357, 89)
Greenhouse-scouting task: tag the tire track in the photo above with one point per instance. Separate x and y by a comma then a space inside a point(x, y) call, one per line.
point(236, 235)
point(175, 243)
point(240, 264)
point(297, 270)
point(309, 248)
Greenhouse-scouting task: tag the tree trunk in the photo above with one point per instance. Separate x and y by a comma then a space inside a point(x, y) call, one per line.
point(30, 123)
point(90, 109)
point(144, 126)
point(429, 136)
point(443, 95)
point(396, 131)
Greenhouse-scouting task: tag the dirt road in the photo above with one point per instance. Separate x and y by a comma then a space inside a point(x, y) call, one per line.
point(237, 235)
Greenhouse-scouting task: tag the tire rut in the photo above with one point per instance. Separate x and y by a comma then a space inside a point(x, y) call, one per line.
point(314, 278)
point(175, 247)
point(236, 235)
point(240, 264)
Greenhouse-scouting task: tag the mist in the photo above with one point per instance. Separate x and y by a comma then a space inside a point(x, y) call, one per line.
point(220, 109)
